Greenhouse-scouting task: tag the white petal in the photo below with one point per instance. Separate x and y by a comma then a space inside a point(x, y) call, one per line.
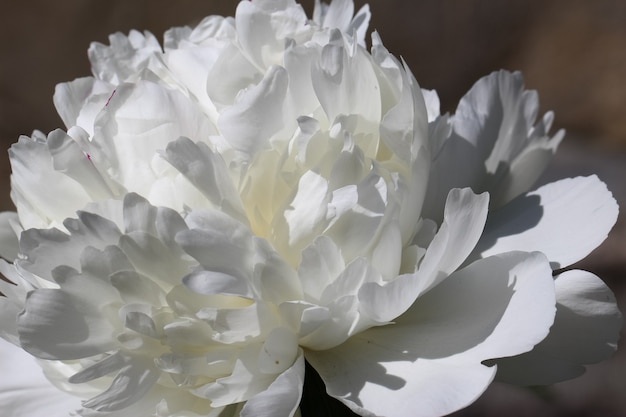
point(152, 258)
point(124, 58)
point(306, 214)
point(429, 362)
point(234, 325)
point(586, 304)
point(9, 312)
point(464, 217)
point(468, 169)
point(298, 61)
point(345, 83)
point(207, 171)
point(42, 195)
point(494, 146)
point(243, 383)
point(25, 392)
point(387, 254)
point(160, 401)
point(566, 220)
point(585, 331)
point(373, 381)
point(68, 323)
point(139, 120)
point(360, 24)
point(45, 249)
point(338, 15)
point(279, 352)
point(70, 159)
point(321, 263)
point(106, 366)
point(136, 288)
point(342, 317)
point(12, 303)
point(212, 282)
point(130, 384)
point(9, 243)
point(282, 397)
point(219, 244)
point(276, 280)
point(235, 73)
point(413, 189)
point(358, 213)
point(206, 32)
point(257, 115)
point(303, 317)
point(404, 127)
point(78, 102)
point(263, 27)
point(463, 222)
point(97, 265)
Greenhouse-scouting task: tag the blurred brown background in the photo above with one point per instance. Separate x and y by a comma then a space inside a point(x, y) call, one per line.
point(572, 51)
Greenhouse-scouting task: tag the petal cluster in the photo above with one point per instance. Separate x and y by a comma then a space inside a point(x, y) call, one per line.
point(263, 190)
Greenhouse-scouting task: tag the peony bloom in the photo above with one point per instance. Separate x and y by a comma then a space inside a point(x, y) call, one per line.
point(263, 191)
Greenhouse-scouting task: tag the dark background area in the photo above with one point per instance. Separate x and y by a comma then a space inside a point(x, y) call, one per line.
point(572, 51)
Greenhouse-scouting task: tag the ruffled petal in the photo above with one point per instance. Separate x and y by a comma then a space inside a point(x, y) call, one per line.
point(139, 120)
point(44, 248)
point(128, 386)
point(60, 325)
point(345, 82)
point(36, 192)
point(68, 158)
point(585, 331)
point(9, 230)
point(78, 102)
point(207, 171)
point(339, 15)
point(258, 113)
point(282, 397)
point(125, 58)
point(263, 27)
point(494, 145)
point(429, 362)
point(25, 392)
point(463, 222)
point(565, 220)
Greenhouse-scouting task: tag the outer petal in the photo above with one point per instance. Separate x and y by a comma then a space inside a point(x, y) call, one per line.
point(44, 249)
point(494, 146)
point(25, 392)
point(33, 190)
point(125, 58)
point(71, 322)
point(565, 220)
point(585, 331)
point(78, 102)
point(429, 362)
point(12, 303)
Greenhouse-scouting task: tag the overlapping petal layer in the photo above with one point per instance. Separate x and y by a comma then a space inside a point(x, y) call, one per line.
point(263, 190)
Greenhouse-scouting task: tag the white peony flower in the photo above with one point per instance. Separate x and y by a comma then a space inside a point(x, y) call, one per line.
point(263, 191)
